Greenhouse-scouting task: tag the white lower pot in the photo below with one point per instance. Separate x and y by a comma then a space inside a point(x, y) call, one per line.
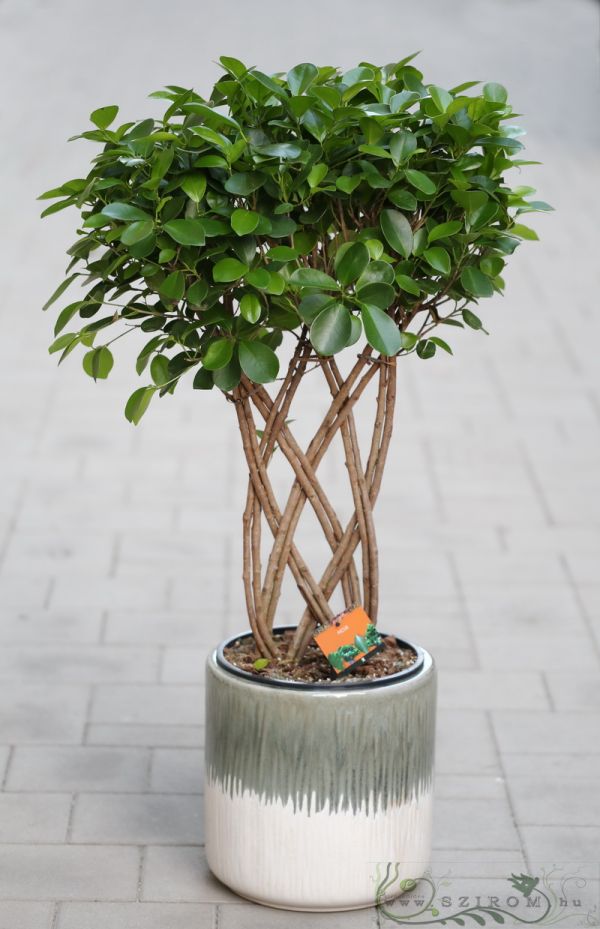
point(311, 790)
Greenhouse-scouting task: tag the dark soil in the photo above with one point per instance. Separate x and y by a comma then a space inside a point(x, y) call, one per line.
point(314, 667)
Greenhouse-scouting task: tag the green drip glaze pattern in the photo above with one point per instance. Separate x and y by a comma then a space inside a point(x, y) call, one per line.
point(365, 749)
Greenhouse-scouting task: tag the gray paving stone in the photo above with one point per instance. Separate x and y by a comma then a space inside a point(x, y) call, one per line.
point(41, 713)
point(109, 594)
point(551, 764)
point(464, 744)
point(151, 704)
point(549, 652)
point(78, 664)
point(184, 665)
point(24, 592)
point(4, 756)
point(39, 627)
point(14, 915)
point(504, 689)
point(53, 552)
point(28, 818)
point(167, 627)
point(532, 609)
point(471, 823)
point(177, 771)
point(138, 819)
point(465, 786)
point(174, 874)
point(161, 736)
point(135, 916)
point(552, 801)
point(68, 872)
point(260, 917)
point(574, 692)
point(562, 843)
point(79, 769)
point(567, 732)
point(452, 863)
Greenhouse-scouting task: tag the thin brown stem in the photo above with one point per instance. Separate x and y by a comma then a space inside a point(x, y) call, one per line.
point(306, 583)
point(314, 493)
point(336, 415)
point(376, 463)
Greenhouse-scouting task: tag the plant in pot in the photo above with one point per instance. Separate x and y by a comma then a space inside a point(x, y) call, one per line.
point(253, 237)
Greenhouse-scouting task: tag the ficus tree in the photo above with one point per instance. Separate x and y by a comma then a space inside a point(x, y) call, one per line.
point(320, 209)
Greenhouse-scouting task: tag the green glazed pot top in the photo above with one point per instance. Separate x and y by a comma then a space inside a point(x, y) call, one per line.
point(345, 684)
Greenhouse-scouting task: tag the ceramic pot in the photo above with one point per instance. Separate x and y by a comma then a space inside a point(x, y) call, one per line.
point(312, 789)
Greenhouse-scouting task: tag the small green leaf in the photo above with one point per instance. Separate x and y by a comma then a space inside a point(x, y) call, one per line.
point(244, 183)
point(310, 277)
point(286, 151)
point(440, 343)
point(397, 231)
point(261, 663)
point(348, 184)
point(495, 93)
point(443, 230)
point(350, 262)
point(377, 272)
point(66, 315)
point(60, 290)
point(104, 116)
point(137, 404)
point(381, 331)
point(259, 277)
point(218, 354)
point(524, 232)
point(98, 362)
point(243, 222)
point(194, 185)
point(159, 370)
point(283, 253)
point(378, 294)
point(426, 349)
point(311, 305)
point(197, 293)
point(403, 143)
point(331, 329)
point(403, 199)
point(250, 308)
point(258, 362)
point(421, 181)
point(186, 231)
point(471, 319)
point(375, 248)
point(203, 380)
point(440, 97)
point(316, 174)
point(229, 269)
point(408, 284)
point(476, 283)
point(173, 287)
point(408, 340)
point(228, 377)
point(438, 258)
point(137, 231)
point(301, 77)
point(124, 211)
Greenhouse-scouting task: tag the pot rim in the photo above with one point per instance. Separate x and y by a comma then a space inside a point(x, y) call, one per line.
point(398, 677)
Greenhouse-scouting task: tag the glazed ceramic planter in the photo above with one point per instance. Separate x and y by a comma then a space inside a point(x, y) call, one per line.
point(310, 787)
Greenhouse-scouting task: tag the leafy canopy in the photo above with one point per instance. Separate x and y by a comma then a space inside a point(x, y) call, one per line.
point(335, 206)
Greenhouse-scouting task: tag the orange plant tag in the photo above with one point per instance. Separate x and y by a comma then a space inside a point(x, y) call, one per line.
point(349, 639)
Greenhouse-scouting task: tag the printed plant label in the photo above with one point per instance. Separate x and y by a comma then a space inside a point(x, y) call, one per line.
point(348, 640)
